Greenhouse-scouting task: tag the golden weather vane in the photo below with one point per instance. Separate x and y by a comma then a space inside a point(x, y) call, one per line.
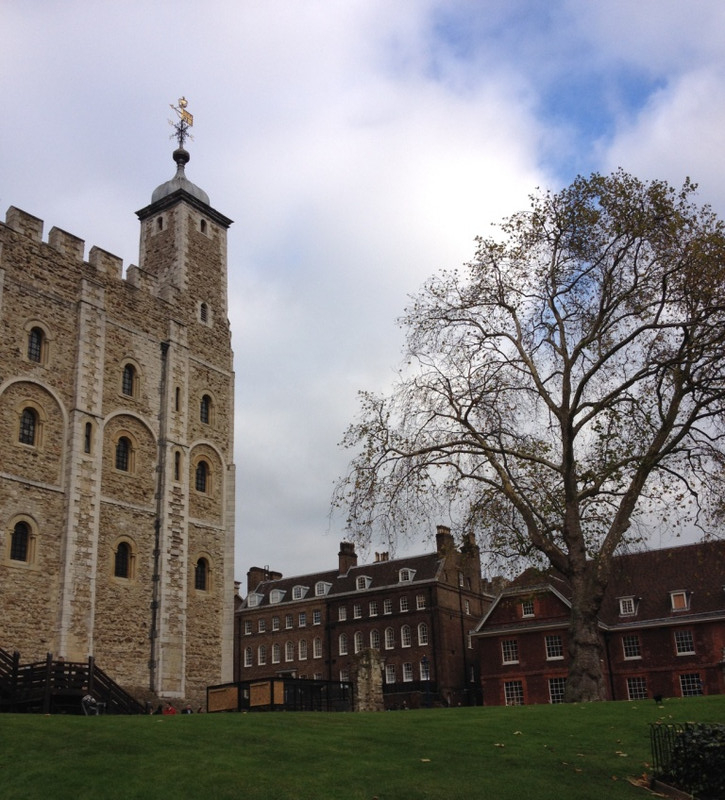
point(185, 121)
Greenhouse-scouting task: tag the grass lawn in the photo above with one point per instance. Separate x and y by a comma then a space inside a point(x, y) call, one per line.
point(563, 752)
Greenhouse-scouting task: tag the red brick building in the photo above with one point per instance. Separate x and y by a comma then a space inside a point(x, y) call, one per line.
point(662, 626)
point(418, 612)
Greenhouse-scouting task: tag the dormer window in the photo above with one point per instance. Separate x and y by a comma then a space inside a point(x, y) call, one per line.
point(253, 599)
point(627, 606)
point(322, 588)
point(362, 582)
point(298, 592)
point(276, 595)
point(406, 575)
point(527, 608)
point(680, 601)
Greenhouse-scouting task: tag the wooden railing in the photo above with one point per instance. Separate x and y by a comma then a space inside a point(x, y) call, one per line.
point(58, 686)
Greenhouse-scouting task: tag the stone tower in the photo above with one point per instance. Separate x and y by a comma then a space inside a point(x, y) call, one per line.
point(116, 447)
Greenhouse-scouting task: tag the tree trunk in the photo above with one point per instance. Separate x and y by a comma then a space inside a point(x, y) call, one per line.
point(585, 682)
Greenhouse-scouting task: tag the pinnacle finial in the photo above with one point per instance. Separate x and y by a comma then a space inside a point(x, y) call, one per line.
point(185, 121)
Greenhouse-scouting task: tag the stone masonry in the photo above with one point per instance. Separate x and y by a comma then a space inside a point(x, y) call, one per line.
point(116, 448)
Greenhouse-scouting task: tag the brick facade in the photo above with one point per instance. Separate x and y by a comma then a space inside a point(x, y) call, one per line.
point(415, 612)
point(127, 556)
point(662, 630)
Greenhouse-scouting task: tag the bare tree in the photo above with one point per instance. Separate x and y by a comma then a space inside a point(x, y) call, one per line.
point(565, 384)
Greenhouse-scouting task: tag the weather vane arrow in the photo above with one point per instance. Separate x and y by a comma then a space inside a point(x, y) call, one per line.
point(185, 121)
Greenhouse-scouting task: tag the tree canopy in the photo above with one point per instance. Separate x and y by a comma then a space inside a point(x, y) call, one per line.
point(564, 385)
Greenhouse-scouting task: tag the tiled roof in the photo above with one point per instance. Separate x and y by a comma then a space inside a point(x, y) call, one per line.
point(382, 574)
point(650, 576)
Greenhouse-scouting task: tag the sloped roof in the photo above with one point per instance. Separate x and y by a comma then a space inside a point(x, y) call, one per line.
point(381, 573)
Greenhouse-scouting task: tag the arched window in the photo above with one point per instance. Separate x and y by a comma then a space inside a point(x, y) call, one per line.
point(123, 454)
point(358, 641)
point(202, 476)
point(342, 644)
point(303, 649)
point(20, 542)
point(405, 638)
point(422, 633)
point(389, 638)
point(262, 655)
point(201, 575)
point(248, 657)
point(36, 339)
point(276, 653)
point(375, 640)
point(122, 560)
point(289, 651)
point(317, 648)
point(205, 409)
point(28, 426)
point(129, 380)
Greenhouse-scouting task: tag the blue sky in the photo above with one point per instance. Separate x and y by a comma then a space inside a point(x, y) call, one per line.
point(359, 145)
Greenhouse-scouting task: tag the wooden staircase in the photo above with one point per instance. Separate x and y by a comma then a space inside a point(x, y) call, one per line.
point(53, 687)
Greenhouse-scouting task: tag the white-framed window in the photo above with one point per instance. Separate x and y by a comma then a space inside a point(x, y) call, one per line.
point(358, 641)
point(467, 607)
point(690, 684)
point(373, 608)
point(247, 628)
point(317, 647)
point(298, 592)
point(557, 686)
point(680, 601)
point(276, 595)
point(422, 633)
point(631, 647)
point(322, 588)
point(342, 644)
point(357, 611)
point(527, 608)
point(302, 619)
point(387, 606)
point(627, 606)
point(275, 623)
point(554, 647)
point(276, 653)
point(406, 640)
point(289, 651)
point(637, 688)
point(684, 643)
point(288, 621)
point(317, 617)
point(407, 672)
point(403, 603)
point(406, 575)
point(513, 693)
point(390, 673)
point(344, 675)
point(302, 649)
point(362, 582)
point(389, 638)
point(261, 625)
point(425, 670)
point(342, 614)
point(262, 655)
point(375, 640)
point(248, 657)
point(420, 602)
point(510, 651)
point(253, 599)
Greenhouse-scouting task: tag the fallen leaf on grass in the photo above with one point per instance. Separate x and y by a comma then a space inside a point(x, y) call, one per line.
point(425, 759)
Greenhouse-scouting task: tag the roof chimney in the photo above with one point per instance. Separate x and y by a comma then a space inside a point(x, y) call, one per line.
point(444, 540)
point(347, 557)
point(255, 576)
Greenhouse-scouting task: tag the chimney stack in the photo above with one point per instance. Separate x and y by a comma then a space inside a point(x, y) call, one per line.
point(444, 540)
point(347, 557)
